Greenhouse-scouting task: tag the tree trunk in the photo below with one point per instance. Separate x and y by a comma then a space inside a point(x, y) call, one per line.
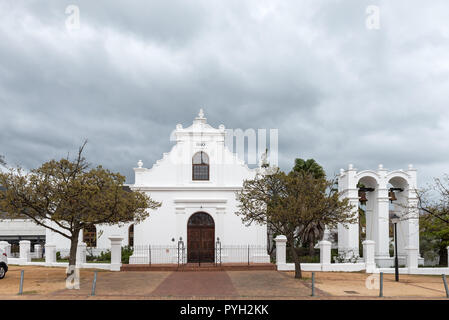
point(298, 274)
point(311, 249)
point(73, 249)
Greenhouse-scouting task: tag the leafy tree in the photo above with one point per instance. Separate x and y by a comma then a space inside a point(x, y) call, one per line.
point(434, 237)
point(312, 233)
point(291, 203)
point(66, 196)
point(435, 199)
point(309, 166)
point(315, 231)
point(433, 202)
point(2, 160)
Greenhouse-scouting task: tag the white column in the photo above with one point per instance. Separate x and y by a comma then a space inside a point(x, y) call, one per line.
point(81, 254)
point(281, 250)
point(50, 253)
point(348, 235)
point(25, 246)
point(412, 220)
point(382, 231)
point(447, 256)
point(325, 254)
point(368, 255)
point(412, 258)
point(38, 251)
point(6, 247)
point(116, 252)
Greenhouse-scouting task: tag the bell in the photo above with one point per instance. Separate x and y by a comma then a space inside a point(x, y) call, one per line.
point(362, 197)
point(392, 196)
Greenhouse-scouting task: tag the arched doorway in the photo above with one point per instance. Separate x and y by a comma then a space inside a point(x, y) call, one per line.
point(200, 238)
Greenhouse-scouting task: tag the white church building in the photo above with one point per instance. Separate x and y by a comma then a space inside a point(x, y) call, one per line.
point(196, 183)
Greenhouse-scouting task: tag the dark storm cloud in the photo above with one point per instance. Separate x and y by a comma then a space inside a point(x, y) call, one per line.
point(336, 91)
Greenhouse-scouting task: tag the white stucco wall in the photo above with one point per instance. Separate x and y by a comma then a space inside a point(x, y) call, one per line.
point(20, 227)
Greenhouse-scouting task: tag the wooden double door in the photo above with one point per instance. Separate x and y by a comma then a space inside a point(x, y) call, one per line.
point(200, 238)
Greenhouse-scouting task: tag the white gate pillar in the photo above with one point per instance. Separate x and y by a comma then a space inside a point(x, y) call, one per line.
point(50, 254)
point(368, 255)
point(325, 254)
point(412, 258)
point(116, 252)
point(281, 249)
point(6, 247)
point(25, 246)
point(81, 254)
point(38, 251)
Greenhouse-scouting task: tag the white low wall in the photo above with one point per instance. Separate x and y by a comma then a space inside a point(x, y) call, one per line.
point(21, 262)
point(368, 263)
point(417, 271)
point(333, 267)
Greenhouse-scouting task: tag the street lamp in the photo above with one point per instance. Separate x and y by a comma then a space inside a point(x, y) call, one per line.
point(395, 220)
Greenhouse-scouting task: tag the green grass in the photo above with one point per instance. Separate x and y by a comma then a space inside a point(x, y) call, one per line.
point(29, 292)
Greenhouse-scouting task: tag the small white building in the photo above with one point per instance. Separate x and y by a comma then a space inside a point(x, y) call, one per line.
point(196, 183)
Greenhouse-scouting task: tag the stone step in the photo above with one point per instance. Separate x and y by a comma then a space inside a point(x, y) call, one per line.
point(196, 267)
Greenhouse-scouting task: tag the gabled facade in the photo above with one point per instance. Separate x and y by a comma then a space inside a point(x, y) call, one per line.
point(196, 183)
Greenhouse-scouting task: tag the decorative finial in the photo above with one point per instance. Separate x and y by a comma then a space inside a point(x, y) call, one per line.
point(201, 114)
point(410, 166)
point(381, 166)
point(140, 164)
point(351, 166)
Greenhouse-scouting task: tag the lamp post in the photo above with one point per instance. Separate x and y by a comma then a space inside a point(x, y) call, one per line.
point(395, 220)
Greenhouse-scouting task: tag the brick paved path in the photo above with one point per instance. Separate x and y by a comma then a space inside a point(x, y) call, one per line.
point(211, 284)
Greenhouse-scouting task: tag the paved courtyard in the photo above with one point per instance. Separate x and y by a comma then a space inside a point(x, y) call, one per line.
point(49, 283)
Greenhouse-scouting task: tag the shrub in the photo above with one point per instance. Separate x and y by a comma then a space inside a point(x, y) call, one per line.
point(105, 256)
point(127, 251)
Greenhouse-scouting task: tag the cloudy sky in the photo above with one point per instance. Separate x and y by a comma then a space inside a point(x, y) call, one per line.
point(336, 90)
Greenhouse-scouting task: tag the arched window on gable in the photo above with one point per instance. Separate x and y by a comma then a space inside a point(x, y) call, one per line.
point(200, 166)
point(90, 236)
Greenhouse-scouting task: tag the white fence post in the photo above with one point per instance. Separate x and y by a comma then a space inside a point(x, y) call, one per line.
point(50, 254)
point(38, 251)
point(25, 255)
point(81, 254)
point(368, 255)
point(116, 252)
point(412, 258)
point(281, 250)
point(6, 247)
point(325, 254)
